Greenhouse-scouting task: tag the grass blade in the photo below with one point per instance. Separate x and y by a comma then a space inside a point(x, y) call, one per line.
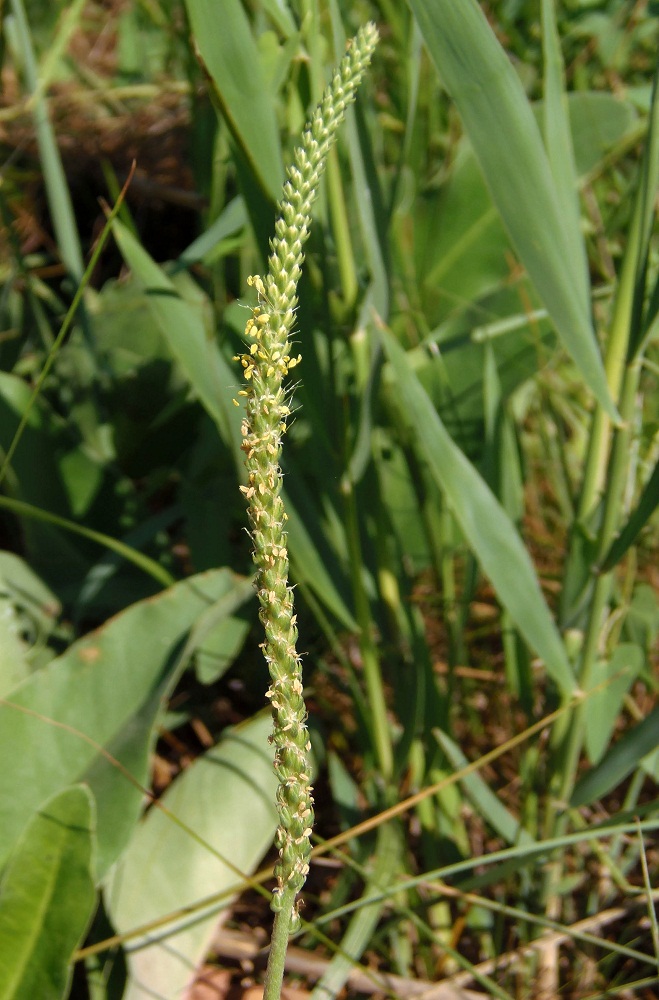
point(231, 58)
point(558, 141)
point(623, 758)
point(503, 132)
point(639, 517)
point(484, 523)
point(59, 199)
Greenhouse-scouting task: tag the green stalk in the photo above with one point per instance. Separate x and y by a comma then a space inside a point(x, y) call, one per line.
point(266, 363)
point(59, 200)
point(380, 730)
point(274, 976)
point(341, 232)
point(616, 481)
point(616, 354)
point(608, 457)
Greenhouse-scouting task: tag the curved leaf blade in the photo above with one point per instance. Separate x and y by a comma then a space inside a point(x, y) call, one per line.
point(623, 758)
point(483, 521)
point(226, 47)
point(182, 323)
point(505, 137)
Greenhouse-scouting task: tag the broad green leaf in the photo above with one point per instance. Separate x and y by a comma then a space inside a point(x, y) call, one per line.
point(602, 709)
point(226, 798)
point(104, 693)
point(488, 530)
point(228, 51)
point(500, 124)
point(82, 477)
point(14, 650)
point(460, 244)
point(27, 590)
point(38, 494)
point(623, 758)
point(598, 122)
point(34, 610)
point(642, 619)
point(35, 476)
point(220, 649)
point(47, 899)
point(182, 322)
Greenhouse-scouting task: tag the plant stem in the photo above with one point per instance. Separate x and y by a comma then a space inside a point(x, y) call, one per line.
point(274, 976)
point(266, 363)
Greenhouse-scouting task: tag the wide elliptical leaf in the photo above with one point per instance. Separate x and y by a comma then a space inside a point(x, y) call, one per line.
point(47, 898)
point(101, 696)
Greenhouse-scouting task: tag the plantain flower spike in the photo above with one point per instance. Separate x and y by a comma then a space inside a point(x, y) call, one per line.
point(266, 363)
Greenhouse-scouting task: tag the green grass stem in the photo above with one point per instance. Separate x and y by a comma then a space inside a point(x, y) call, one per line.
point(59, 199)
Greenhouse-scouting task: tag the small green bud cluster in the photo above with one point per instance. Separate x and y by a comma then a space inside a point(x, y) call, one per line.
point(266, 363)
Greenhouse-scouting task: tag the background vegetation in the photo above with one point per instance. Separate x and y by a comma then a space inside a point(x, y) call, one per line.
point(471, 479)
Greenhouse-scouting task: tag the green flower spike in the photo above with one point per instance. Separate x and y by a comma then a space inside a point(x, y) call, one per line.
point(266, 362)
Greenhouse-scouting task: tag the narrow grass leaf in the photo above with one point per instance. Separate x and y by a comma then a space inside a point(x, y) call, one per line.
point(230, 221)
point(230, 56)
point(558, 142)
point(488, 530)
point(182, 323)
point(121, 549)
point(307, 562)
point(500, 124)
point(602, 709)
point(367, 195)
point(619, 762)
point(364, 921)
point(490, 808)
point(647, 504)
point(643, 228)
point(59, 199)
point(47, 899)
